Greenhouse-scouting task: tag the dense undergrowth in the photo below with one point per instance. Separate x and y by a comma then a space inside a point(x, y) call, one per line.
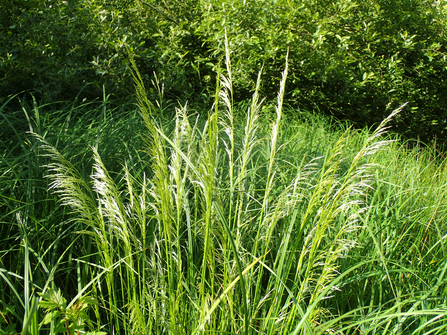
point(154, 219)
point(355, 60)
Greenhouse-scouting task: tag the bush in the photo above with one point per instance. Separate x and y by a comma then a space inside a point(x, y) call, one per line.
point(355, 60)
point(352, 59)
point(55, 48)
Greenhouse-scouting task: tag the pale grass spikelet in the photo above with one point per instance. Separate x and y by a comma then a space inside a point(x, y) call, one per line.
point(66, 181)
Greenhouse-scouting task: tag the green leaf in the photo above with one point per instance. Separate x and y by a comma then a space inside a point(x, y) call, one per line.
point(50, 316)
point(53, 300)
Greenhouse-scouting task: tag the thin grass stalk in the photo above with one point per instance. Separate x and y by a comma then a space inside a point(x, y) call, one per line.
point(294, 194)
point(226, 96)
point(227, 121)
point(248, 146)
point(208, 166)
point(137, 209)
point(263, 228)
point(161, 189)
point(114, 214)
point(238, 184)
point(188, 134)
point(180, 174)
point(30, 322)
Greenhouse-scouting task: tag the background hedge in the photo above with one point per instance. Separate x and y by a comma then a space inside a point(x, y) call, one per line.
point(352, 59)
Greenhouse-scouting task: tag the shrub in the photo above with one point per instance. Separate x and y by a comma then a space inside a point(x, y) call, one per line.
point(353, 59)
point(56, 48)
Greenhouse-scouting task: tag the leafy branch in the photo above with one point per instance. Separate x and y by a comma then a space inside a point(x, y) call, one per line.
point(66, 320)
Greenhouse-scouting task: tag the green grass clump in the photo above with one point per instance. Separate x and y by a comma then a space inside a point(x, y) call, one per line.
point(224, 223)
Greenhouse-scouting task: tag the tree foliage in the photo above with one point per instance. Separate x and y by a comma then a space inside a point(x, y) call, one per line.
point(353, 59)
point(55, 48)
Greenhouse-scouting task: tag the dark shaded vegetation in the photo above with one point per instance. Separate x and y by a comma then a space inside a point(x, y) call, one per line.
point(355, 60)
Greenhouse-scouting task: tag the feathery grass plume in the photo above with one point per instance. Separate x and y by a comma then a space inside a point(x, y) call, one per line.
point(325, 236)
point(208, 161)
point(161, 192)
point(268, 215)
point(233, 170)
point(249, 143)
point(66, 181)
point(227, 121)
point(75, 192)
point(399, 285)
point(119, 235)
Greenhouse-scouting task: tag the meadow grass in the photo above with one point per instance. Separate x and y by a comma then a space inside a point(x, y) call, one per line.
point(227, 222)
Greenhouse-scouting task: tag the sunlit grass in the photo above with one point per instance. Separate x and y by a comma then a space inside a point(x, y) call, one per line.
point(227, 222)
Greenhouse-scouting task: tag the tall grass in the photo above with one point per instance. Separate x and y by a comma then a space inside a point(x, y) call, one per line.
point(401, 286)
point(222, 225)
point(39, 244)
